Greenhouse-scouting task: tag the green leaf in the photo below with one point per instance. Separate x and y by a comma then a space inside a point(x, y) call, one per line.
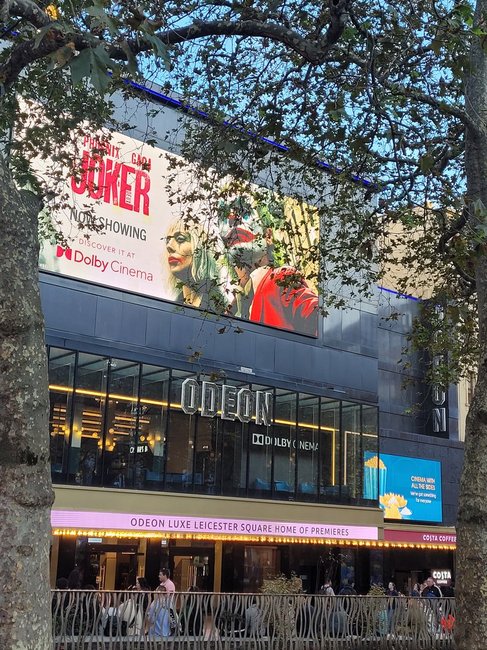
point(131, 60)
point(436, 46)
point(80, 66)
point(98, 12)
point(480, 211)
point(158, 46)
point(99, 76)
point(102, 55)
point(40, 35)
point(426, 163)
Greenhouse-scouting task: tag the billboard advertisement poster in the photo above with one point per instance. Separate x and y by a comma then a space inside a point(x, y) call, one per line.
point(409, 488)
point(238, 255)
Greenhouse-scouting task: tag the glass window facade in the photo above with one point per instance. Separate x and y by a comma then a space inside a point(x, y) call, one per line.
point(121, 424)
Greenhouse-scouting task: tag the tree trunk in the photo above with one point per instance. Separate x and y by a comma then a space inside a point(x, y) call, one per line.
point(471, 588)
point(25, 486)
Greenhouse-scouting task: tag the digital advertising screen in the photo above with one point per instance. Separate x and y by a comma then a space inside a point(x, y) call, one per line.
point(409, 488)
point(238, 255)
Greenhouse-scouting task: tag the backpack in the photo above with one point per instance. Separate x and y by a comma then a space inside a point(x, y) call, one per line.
point(114, 626)
point(174, 626)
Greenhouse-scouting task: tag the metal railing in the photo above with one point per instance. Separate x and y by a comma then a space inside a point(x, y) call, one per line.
point(89, 620)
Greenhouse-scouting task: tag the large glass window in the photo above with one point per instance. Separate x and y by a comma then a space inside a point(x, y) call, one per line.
point(285, 444)
point(208, 442)
point(120, 423)
point(370, 445)
point(207, 454)
point(149, 450)
point(352, 450)
point(309, 447)
point(234, 458)
point(62, 365)
point(87, 431)
point(260, 563)
point(180, 439)
point(330, 465)
point(233, 464)
point(260, 455)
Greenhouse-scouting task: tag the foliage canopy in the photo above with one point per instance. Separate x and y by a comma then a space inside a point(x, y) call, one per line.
point(358, 89)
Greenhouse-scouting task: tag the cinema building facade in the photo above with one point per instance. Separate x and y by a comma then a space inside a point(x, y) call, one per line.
point(230, 449)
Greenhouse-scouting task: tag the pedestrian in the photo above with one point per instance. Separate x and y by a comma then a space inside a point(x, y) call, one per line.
point(416, 590)
point(157, 621)
point(431, 590)
point(192, 615)
point(74, 579)
point(141, 585)
point(166, 582)
point(348, 589)
point(392, 592)
point(448, 590)
point(327, 589)
point(432, 594)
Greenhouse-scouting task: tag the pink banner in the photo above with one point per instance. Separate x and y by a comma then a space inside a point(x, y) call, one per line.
point(419, 537)
point(75, 519)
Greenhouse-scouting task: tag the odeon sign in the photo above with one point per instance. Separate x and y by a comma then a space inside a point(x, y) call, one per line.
point(114, 521)
point(227, 401)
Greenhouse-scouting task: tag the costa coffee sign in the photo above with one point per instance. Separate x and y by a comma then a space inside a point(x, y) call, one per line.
point(419, 537)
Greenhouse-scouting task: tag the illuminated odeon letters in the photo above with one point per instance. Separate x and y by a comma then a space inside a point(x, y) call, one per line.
point(439, 394)
point(227, 401)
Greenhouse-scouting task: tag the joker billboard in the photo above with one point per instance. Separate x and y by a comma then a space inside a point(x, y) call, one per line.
point(124, 226)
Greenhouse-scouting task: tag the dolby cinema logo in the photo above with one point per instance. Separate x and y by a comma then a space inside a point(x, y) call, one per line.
point(229, 402)
point(262, 440)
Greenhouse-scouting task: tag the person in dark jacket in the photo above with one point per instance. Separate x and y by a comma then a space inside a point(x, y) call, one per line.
point(431, 590)
point(433, 594)
point(192, 616)
point(391, 606)
point(348, 589)
point(415, 590)
point(448, 590)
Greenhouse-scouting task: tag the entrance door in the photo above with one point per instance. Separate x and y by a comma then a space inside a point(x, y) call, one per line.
point(192, 567)
point(112, 566)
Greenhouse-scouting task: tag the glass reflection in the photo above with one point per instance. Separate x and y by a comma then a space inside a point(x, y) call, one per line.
point(179, 439)
point(86, 441)
point(284, 444)
point(62, 365)
point(309, 447)
point(122, 416)
point(149, 448)
point(330, 465)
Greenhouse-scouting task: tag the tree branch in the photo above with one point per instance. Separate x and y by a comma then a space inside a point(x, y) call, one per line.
point(443, 247)
point(313, 51)
point(26, 53)
point(29, 11)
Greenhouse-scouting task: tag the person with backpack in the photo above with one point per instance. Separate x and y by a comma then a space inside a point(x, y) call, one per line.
point(157, 621)
point(327, 589)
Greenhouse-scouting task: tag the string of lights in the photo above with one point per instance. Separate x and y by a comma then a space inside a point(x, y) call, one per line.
point(117, 534)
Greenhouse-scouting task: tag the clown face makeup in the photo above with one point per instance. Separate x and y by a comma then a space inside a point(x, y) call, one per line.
point(246, 237)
